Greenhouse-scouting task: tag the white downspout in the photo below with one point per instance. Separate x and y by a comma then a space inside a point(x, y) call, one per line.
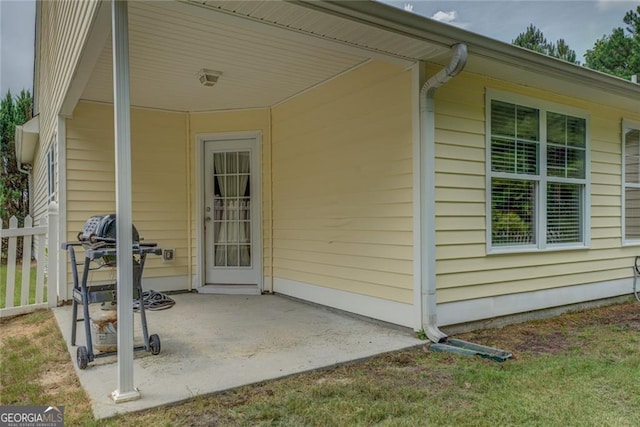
point(27, 170)
point(428, 178)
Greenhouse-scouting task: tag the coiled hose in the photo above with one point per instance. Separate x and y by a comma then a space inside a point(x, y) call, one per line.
point(636, 274)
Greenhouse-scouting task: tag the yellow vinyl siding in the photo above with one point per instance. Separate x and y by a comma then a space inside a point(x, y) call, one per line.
point(90, 165)
point(159, 178)
point(464, 270)
point(159, 190)
point(342, 184)
point(399, 252)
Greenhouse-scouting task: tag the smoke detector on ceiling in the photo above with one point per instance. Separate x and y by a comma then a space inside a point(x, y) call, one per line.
point(208, 77)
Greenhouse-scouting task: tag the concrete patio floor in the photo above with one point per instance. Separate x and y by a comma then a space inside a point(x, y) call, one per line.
point(212, 343)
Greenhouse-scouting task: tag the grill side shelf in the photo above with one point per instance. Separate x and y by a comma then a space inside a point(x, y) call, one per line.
point(141, 250)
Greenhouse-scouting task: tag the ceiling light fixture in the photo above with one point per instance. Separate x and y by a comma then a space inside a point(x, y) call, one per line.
point(208, 77)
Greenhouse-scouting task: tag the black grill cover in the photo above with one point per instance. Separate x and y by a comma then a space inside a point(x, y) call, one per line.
point(101, 228)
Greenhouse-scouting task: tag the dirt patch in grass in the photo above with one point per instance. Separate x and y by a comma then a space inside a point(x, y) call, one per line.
point(537, 344)
point(628, 318)
point(17, 327)
point(555, 335)
point(57, 377)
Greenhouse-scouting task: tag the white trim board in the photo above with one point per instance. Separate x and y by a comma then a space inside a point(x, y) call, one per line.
point(61, 164)
point(363, 305)
point(167, 283)
point(418, 78)
point(453, 313)
point(229, 289)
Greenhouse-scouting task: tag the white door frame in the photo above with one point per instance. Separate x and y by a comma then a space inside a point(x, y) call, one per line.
point(200, 210)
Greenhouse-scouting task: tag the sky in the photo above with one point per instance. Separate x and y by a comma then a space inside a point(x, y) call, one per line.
point(17, 27)
point(580, 23)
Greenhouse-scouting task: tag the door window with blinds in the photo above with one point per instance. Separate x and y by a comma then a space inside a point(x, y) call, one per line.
point(631, 176)
point(537, 175)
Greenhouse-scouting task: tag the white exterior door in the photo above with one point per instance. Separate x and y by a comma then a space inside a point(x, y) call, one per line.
point(232, 213)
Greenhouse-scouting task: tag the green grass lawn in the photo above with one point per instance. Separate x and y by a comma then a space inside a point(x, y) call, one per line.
point(17, 290)
point(578, 369)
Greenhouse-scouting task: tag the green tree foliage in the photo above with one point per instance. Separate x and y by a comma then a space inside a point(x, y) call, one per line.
point(562, 50)
point(534, 39)
point(619, 52)
point(14, 185)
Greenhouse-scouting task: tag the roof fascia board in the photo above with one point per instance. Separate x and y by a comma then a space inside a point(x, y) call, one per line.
point(412, 25)
point(518, 57)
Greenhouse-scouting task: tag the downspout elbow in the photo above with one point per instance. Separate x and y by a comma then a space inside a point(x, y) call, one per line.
point(427, 130)
point(27, 169)
point(455, 66)
point(24, 168)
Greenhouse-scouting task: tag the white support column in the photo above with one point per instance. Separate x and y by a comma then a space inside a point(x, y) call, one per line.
point(124, 276)
point(61, 218)
point(53, 243)
point(418, 79)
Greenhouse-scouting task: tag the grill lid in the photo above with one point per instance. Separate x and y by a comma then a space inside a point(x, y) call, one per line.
point(103, 228)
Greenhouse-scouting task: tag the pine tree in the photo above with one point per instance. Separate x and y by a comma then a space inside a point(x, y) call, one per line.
point(14, 185)
point(534, 39)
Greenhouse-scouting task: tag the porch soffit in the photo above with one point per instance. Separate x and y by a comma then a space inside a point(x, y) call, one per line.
point(266, 51)
point(323, 25)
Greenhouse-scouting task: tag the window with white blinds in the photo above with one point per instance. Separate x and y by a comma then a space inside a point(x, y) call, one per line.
point(631, 190)
point(537, 175)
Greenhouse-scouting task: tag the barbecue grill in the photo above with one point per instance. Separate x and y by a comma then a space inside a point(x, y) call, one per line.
point(98, 239)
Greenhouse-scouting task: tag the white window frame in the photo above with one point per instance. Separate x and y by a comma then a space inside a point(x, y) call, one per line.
point(541, 179)
point(626, 126)
point(51, 170)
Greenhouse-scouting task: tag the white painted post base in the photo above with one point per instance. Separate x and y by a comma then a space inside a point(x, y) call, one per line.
point(125, 397)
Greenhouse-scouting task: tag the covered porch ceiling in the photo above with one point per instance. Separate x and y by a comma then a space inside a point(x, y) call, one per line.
point(269, 51)
point(266, 53)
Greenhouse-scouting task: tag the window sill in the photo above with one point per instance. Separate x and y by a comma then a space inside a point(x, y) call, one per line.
point(626, 243)
point(507, 250)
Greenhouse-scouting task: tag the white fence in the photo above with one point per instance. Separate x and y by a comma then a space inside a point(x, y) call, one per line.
point(45, 292)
